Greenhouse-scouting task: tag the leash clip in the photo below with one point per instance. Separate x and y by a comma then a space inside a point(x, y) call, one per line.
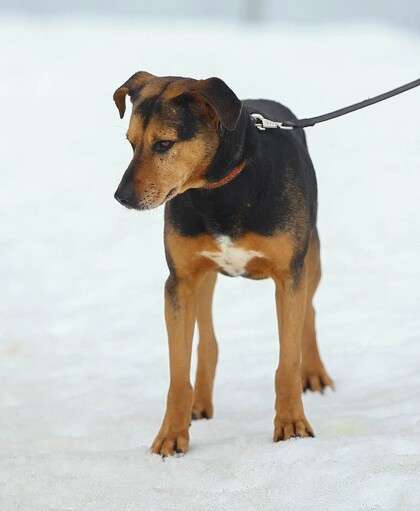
point(263, 123)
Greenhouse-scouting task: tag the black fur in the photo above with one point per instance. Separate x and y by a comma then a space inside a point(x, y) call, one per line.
point(186, 122)
point(179, 114)
point(222, 99)
point(277, 190)
point(147, 108)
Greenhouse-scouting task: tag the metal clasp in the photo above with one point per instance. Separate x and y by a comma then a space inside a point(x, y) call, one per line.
point(263, 123)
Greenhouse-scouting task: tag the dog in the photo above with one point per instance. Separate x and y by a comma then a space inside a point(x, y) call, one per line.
point(238, 201)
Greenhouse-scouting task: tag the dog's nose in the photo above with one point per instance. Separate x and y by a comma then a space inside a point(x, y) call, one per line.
point(126, 196)
point(122, 200)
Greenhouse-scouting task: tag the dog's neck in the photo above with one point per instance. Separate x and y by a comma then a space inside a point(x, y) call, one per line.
point(235, 147)
point(224, 209)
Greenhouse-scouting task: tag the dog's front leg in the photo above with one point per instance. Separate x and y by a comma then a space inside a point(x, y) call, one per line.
point(290, 418)
point(180, 312)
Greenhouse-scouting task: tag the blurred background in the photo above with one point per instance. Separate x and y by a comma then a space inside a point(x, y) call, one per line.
point(404, 13)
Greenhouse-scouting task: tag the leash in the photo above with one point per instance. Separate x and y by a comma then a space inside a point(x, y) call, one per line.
point(263, 123)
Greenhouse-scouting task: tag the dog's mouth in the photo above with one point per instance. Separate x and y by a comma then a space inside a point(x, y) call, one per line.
point(146, 204)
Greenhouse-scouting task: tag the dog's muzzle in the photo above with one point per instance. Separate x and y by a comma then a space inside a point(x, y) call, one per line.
point(126, 195)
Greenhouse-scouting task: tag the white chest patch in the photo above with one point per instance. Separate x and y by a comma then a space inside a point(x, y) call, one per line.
point(229, 258)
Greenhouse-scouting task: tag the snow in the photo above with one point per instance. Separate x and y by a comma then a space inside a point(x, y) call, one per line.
point(83, 357)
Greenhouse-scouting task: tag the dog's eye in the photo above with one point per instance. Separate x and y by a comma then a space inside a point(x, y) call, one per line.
point(161, 146)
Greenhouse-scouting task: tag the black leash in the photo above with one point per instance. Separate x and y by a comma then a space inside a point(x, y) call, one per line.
point(262, 123)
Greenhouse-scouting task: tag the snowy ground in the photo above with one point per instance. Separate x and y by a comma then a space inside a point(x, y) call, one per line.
point(83, 360)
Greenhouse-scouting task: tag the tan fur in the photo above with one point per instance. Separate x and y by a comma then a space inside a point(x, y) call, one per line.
point(133, 83)
point(207, 350)
point(192, 299)
point(183, 167)
point(314, 375)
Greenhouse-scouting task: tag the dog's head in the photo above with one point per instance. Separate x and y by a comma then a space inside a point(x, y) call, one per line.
point(174, 131)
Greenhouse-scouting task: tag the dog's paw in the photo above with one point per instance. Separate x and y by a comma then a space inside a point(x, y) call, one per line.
point(171, 443)
point(202, 410)
point(289, 428)
point(316, 380)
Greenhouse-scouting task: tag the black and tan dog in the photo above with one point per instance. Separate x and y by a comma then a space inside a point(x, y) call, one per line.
point(240, 202)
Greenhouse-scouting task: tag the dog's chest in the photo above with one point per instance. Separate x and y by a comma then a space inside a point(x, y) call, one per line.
point(230, 258)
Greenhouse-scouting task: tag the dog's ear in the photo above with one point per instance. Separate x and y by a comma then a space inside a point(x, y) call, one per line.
point(221, 98)
point(130, 87)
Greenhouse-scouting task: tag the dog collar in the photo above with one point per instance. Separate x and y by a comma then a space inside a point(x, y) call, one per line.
point(227, 179)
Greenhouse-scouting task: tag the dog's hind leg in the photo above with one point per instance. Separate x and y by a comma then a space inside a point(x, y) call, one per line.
point(290, 418)
point(207, 350)
point(314, 375)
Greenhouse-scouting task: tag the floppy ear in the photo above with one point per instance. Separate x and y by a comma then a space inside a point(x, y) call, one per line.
point(221, 98)
point(130, 87)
